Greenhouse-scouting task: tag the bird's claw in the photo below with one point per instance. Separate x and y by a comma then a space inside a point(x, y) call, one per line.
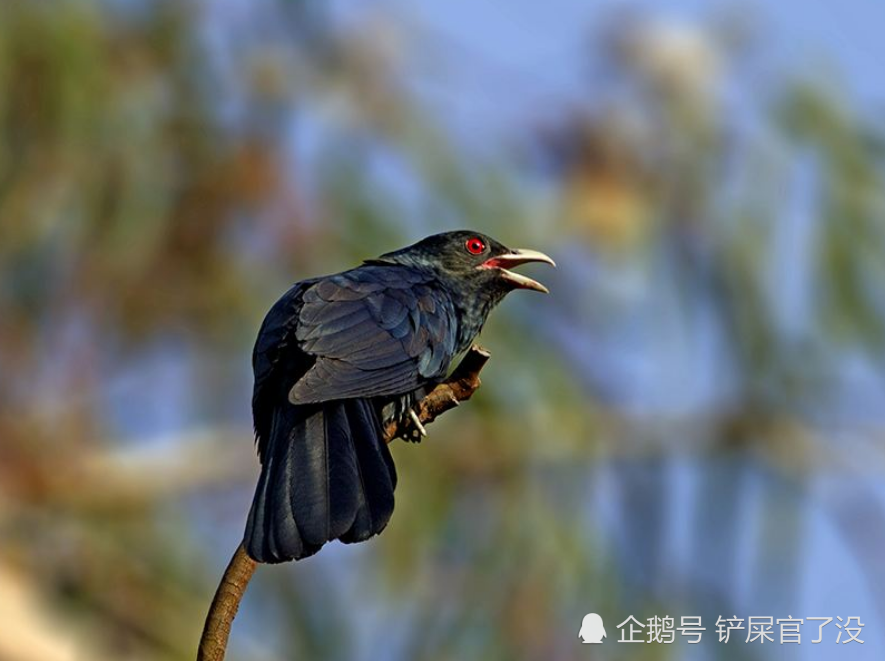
point(418, 426)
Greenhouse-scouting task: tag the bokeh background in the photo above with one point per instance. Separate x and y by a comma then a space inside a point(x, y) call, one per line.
point(691, 423)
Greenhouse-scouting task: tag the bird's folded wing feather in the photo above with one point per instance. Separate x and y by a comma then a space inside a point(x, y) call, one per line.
point(375, 330)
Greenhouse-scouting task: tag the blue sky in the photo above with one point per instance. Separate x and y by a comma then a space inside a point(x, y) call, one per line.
point(488, 62)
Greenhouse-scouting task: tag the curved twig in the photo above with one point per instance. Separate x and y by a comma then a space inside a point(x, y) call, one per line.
point(225, 603)
point(459, 387)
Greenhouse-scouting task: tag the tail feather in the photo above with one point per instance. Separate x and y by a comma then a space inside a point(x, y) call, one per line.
point(308, 451)
point(283, 532)
point(377, 478)
point(327, 474)
point(255, 541)
point(343, 472)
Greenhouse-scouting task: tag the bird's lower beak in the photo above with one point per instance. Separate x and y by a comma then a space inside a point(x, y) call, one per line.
point(515, 258)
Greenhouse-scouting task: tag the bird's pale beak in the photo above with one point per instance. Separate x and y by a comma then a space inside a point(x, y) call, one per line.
point(515, 258)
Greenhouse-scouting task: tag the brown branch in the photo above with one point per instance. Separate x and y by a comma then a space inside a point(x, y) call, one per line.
point(216, 631)
point(459, 387)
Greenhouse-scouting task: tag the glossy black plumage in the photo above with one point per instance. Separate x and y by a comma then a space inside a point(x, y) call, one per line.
point(335, 357)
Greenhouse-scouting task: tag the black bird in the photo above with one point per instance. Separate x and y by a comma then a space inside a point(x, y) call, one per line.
point(339, 356)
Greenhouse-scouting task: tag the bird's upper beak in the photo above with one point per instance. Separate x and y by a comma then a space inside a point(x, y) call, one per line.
point(515, 258)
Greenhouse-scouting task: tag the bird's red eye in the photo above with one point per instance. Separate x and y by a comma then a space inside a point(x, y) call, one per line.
point(475, 246)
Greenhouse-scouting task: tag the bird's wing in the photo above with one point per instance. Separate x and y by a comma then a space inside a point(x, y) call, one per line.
point(375, 330)
point(276, 360)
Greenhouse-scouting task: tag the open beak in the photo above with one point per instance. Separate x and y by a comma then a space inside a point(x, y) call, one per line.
point(515, 258)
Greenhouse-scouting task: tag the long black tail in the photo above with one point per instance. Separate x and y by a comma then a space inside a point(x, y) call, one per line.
point(327, 474)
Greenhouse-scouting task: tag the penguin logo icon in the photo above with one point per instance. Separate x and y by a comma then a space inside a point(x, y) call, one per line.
point(592, 630)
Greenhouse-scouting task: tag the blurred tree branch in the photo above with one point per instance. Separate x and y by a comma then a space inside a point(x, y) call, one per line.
point(459, 387)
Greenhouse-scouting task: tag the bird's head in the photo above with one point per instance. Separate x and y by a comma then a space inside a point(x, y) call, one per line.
point(473, 259)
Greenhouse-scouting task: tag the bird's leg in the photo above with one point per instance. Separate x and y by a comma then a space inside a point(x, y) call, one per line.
point(457, 388)
point(418, 426)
